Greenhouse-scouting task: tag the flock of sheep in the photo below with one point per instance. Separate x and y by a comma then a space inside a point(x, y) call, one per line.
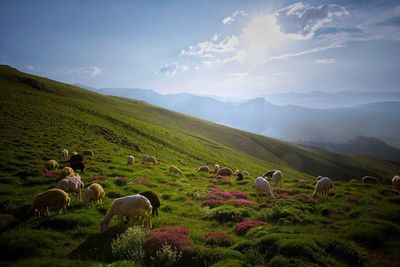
point(140, 206)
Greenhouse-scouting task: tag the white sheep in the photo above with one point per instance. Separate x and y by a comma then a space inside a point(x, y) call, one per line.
point(64, 154)
point(50, 198)
point(131, 159)
point(245, 173)
point(225, 171)
point(88, 152)
point(236, 172)
point(93, 194)
point(318, 178)
point(51, 165)
point(277, 178)
point(149, 160)
point(262, 186)
point(66, 171)
point(396, 180)
point(322, 188)
point(131, 207)
point(203, 169)
point(71, 184)
point(175, 170)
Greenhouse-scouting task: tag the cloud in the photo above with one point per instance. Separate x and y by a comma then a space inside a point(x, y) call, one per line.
point(172, 69)
point(305, 52)
point(239, 74)
point(325, 61)
point(209, 49)
point(304, 20)
point(215, 37)
point(230, 19)
point(87, 71)
point(29, 67)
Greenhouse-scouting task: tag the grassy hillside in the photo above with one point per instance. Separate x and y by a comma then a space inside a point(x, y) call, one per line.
point(40, 117)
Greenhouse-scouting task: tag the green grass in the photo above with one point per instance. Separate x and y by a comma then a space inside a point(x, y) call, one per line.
point(357, 225)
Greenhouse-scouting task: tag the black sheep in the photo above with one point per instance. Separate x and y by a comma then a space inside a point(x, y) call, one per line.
point(154, 200)
point(75, 158)
point(269, 173)
point(239, 176)
point(78, 165)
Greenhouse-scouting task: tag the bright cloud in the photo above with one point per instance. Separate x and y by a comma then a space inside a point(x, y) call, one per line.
point(325, 61)
point(29, 67)
point(304, 20)
point(230, 19)
point(302, 53)
point(172, 69)
point(86, 71)
point(209, 49)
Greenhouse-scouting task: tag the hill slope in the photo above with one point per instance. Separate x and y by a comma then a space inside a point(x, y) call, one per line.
point(40, 117)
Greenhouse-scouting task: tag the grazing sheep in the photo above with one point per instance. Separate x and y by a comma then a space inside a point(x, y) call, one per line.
point(88, 152)
point(129, 207)
point(174, 170)
point(354, 181)
point(245, 173)
point(277, 178)
point(203, 169)
point(75, 158)
point(78, 165)
point(215, 169)
point(154, 200)
point(50, 198)
point(71, 184)
point(225, 171)
point(236, 172)
point(51, 165)
point(93, 194)
point(66, 171)
point(262, 186)
point(396, 180)
point(318, 178)
point(370, 180)
point(149, 160)
point(269, 173)
point(64, 154)
point(131, 160)
point(239, 176)
point(322, 188)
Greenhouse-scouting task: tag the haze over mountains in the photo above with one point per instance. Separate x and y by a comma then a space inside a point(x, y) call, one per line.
point(293, 123)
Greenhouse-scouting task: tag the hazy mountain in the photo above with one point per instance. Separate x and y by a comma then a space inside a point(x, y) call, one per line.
point(361, 145)
point(290, 122)
point(323, 100)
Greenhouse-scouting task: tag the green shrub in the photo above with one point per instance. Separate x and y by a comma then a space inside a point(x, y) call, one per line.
point(279, 261)
point(129, 245)
point(228, 214)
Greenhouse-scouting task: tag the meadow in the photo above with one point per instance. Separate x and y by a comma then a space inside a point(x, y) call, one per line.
point(207, 220)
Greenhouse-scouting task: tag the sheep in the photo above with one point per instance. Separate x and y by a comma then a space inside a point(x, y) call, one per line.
point(71, 185)
point(64, 154)
point(51, 165)
point(236, 172)
point(322, 188)
point(130, 207)
point(353, 181)
point(88, 152)
point(175, 170)
point(154, 200)
point(239, 176)
point(66, 171)
point(93, 194)
point(396, 180)
point(318, 178)
point(269, 173)
point(75, 158)
point(50, 198)
point(225, 171)
point(215, 170)
point(203, 169)
point(369, 180)
point(149, 160)
point(262, 186)
point(277, 178)
point(78, 165)
point(131, 160)
point(245, 173)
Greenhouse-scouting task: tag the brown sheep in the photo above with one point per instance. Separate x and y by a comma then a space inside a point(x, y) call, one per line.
point(154, 200)
point(50, 198)
point(51, 165)
point(370, 180)
point(203, 169)
point(225, 171)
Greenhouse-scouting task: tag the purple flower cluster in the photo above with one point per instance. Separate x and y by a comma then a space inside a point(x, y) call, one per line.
point(242, 227)
point(142, 181)
point(241, 202)
point(50, 174)
point(219, 197)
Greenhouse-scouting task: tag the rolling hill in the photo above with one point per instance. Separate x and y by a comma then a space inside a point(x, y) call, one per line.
point(289, 122)
point(40, 117)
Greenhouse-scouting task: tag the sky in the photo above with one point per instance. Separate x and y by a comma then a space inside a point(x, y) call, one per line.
point(235, 49)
